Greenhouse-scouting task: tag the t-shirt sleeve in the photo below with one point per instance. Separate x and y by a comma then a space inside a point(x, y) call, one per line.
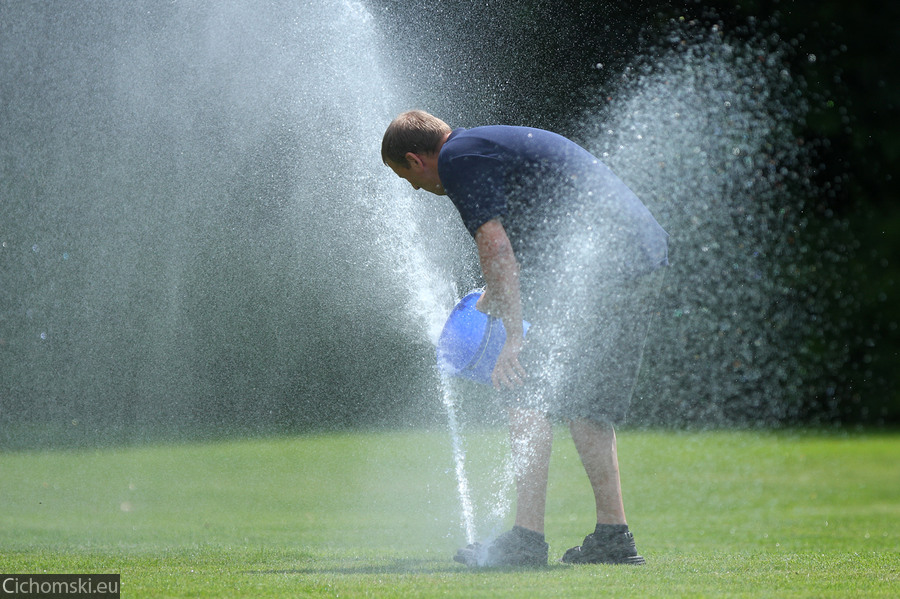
point(475, 184)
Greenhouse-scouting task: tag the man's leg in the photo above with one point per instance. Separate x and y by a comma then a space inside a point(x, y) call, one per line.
point(611, 542)
point(531, 439)
point(596, 444)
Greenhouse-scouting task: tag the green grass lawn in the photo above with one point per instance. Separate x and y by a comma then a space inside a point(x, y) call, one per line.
point(716, 514)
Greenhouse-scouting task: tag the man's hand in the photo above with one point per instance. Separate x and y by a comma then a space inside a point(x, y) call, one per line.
point(507, 371)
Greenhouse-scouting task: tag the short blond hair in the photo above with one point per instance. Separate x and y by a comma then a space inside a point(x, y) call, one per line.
point(413, 131)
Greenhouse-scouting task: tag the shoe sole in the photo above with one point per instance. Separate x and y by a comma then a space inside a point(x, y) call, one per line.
point(634, 560)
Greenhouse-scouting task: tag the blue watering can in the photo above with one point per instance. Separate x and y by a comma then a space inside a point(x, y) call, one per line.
point(471, 341)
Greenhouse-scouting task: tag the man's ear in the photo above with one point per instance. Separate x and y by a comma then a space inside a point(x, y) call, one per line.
point(414, 161)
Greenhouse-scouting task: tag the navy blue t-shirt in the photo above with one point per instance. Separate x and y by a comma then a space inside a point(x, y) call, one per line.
point(543, 186)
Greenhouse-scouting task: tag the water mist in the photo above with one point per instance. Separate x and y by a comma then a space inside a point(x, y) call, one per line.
point(703, 128)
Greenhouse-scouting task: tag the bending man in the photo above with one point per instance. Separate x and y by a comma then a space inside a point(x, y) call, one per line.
point(565, 244)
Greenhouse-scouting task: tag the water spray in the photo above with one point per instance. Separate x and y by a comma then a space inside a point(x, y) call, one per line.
point(459, 459)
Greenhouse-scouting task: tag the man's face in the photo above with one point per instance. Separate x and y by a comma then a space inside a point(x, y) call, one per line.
point(421, 174)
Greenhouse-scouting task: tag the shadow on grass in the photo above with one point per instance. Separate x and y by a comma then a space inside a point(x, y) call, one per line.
point(395, 566)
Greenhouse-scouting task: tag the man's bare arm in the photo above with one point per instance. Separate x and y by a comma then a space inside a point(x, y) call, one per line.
point(502, 298)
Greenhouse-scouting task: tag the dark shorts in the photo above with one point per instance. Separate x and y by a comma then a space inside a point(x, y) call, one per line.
point(583, 355)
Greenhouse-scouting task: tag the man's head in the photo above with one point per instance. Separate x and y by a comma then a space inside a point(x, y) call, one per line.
point(413, 131)
point(410, 147)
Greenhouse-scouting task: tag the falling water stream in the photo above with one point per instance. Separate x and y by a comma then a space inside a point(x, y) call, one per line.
point(459, 458)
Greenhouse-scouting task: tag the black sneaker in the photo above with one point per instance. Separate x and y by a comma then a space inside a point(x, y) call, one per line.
point(616, 549)
point(511, 549)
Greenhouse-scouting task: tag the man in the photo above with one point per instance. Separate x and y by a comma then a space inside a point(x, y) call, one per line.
point(565, 244)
